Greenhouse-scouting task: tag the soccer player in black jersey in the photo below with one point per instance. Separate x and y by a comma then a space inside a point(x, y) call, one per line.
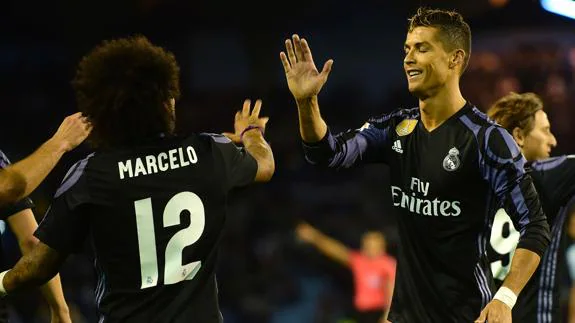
point(19, 180)
point(21, 220)
point(451, 169)
point(523, 116)
point(151, 204)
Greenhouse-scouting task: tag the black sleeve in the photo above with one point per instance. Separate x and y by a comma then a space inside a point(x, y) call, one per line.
point(64, 227)
point(240, 167)
point(503, 167)
point(21, 205)
point(367, 144)
point(555, 179)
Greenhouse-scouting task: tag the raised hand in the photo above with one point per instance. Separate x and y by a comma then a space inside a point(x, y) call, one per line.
point(72, 132)
point(303, 78)
point(244, 119)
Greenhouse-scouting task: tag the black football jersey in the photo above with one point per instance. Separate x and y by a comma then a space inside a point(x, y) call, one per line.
point(447, 185)
point(153, 215)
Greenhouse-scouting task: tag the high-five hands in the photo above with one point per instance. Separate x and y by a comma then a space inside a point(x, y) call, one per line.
point(303, 78)
point(245, 119)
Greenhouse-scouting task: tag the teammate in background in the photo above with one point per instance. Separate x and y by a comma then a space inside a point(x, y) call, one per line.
point(19, 180)
point(451, 170)
point(570, 256)
point(523, 116)
point(151, 203)
point(22, 222)
point(372, 269)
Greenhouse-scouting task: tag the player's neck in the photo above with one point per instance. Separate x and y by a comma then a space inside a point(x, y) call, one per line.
point(437, 108)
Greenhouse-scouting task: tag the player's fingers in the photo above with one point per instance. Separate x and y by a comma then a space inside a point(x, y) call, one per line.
point(290, 52)
point(306, 51)
point(238, 115)
point(265, 120)
point(297, 47)
point(246, 108)
point(326, 68)
point(257, 108)
point(285, 62)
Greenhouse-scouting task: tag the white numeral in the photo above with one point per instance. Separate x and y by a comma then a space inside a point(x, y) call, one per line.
point(502, 245)
point(174, 271)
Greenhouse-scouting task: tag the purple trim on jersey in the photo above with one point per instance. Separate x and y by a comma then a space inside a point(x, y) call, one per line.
point(471, 125)
point(217, 137)
point(351, 149)
point(73, 176)
point(549, 268)
point(521, 206)
point(4, 161)
point(548, 164)
point(477, 272)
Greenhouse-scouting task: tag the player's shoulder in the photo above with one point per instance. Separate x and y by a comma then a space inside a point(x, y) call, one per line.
point(73, 180)
point(550, 163)
point(213, 137)
point(476, 120)
point(394, 117)
point(487, 132)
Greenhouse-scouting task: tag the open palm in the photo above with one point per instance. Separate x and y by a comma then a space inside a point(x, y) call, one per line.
point(303, 78)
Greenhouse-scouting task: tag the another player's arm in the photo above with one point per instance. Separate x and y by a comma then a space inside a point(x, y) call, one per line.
point(305, 82)
point(23, 224)
point(35, 268)
point(21, 178)
point(328, 246)
point(261, 151)
point(502, 166)
point(249, 129)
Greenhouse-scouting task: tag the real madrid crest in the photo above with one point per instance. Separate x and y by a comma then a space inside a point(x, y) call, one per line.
point(405, 127)
point(451, 162)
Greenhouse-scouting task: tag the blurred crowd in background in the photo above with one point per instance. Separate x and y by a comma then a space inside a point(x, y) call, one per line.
point(227, 53)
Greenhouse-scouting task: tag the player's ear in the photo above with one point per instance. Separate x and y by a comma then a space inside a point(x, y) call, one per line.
point(518, 136)
point(457, 58)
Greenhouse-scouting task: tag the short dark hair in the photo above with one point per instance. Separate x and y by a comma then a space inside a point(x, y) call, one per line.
point(454, 32)
point(124, 86)
point(516, 111)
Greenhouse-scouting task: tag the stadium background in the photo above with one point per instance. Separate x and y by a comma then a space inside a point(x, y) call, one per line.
point(228, 51)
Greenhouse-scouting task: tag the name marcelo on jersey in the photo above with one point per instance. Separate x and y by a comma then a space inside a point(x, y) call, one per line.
point(423, 206)
point(164, 161)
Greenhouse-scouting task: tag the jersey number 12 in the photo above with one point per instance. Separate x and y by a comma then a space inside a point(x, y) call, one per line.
point(174, 271)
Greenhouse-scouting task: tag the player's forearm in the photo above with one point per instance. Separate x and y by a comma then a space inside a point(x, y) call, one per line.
point(37, 166)
point(523, 266)
point(260, 150)
point(54, 296)
point(33, 269)
point(311, 125)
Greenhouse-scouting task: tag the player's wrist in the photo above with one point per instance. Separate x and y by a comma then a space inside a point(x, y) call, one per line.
point(57, 145)
point(3, 291)
point(506, 296)
point(252, 130)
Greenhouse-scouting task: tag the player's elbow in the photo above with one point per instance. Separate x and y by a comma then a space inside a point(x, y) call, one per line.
point(12, 187)
point(27, 243)
point(535, 236)
point(266, 170)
